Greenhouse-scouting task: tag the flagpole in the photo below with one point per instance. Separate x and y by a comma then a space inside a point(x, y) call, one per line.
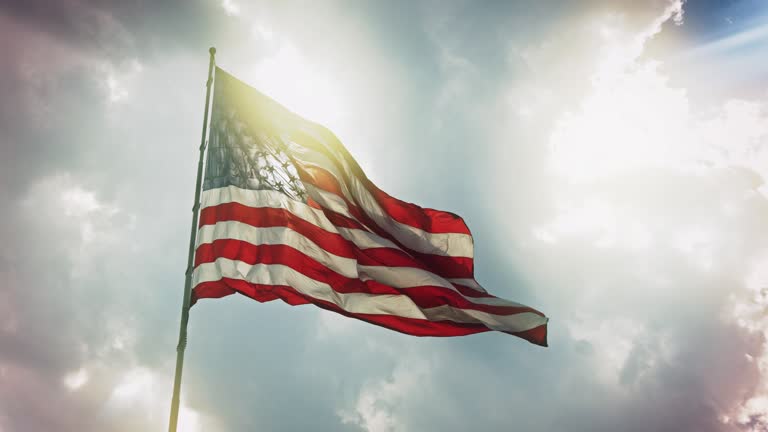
point(173, 421)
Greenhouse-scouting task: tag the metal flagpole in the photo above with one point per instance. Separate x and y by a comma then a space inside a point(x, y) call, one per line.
point(188, 275)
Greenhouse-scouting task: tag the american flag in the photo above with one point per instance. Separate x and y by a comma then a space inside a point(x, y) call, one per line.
point(287, 213)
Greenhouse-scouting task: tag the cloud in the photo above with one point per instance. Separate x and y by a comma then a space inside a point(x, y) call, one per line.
point(230, 7)
point(748, 310)
point(50, 330)
point(596, 186)
point(378, 404)
point(647, 214)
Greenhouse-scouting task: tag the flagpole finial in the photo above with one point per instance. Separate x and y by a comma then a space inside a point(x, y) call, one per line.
point(212, 50)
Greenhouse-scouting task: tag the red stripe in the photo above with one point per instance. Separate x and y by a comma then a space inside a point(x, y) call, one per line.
point(410, 326)
point(331, 242)
point(397, 258)
point(430, 220)
point(536, 335)
point(319, 177)
point(445, 266)
point(422, 296)
point(343, 221)
point(469, 292)
point(427, 219)
point(211, 290)
point(265, 217)
point(312, 203)
point(451, 267)
point(389, 257)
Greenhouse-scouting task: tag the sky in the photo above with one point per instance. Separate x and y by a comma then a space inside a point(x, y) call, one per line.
point(608, 155)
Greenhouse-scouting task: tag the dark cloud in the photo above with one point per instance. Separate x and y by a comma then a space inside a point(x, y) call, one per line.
point(115, 29)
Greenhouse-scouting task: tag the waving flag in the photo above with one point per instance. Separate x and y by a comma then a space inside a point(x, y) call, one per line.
point(287, 213)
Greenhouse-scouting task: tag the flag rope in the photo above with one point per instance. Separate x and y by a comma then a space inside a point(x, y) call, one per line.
point(182, 345)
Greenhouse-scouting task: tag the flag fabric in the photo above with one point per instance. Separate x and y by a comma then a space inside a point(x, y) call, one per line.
point(287, 213)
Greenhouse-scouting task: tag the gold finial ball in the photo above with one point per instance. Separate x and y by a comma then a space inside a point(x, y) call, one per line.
point(212, 50)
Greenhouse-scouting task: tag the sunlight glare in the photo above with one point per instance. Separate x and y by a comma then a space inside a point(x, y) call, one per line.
point(302, 86)
point(630, 123)
point(145, 390)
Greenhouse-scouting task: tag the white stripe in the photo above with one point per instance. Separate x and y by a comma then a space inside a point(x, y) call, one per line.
point(273, 199)
point(359, 303)
point(444, 244)
point(409, 277)
point(447, 244)
point(277, 236)
point(268, 199)
point(366, 239)
point(511, 323)
point(308, 157)
point(469, 283)
point(274, 274)
point(329, 200)
point(396, 277)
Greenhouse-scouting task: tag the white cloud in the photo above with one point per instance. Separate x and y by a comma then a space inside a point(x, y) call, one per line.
point(76, 379)
point(118, 79)
point(332, 325)
point(99, 225)
point(632, 122)
point(697, 243)
point(144, 391)
point(262, 32)
point(230, 7)
point(612, 342)
point(651, 209)
point(116, 91)
point(379, 403)
point(621, 44)
point(749, 310)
